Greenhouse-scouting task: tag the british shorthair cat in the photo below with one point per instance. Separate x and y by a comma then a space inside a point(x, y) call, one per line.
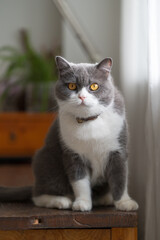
point(84, 159)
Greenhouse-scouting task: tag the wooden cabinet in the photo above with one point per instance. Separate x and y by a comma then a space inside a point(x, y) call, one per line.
point(25, 221)
point(21, 134)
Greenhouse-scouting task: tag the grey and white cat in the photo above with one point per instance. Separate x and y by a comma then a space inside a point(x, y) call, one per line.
point(84, 159)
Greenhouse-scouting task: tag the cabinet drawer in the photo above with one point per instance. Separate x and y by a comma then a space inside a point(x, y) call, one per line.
point(58, 234)
point(22, 134)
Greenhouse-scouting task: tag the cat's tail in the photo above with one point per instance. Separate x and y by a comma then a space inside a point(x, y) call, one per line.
point(12, 194)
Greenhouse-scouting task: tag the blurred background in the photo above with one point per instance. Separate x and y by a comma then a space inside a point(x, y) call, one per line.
point(34, 32)
point(49, 35)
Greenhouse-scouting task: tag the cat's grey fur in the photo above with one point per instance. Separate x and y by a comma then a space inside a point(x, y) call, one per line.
point(63, 176)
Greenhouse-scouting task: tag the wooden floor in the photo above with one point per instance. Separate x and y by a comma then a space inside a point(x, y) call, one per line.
point(18, 174)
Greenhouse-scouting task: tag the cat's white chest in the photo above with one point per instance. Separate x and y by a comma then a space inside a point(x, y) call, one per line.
point(93, 140)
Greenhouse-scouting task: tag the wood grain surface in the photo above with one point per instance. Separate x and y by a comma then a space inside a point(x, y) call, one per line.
point(63, 234)
point(124, 233)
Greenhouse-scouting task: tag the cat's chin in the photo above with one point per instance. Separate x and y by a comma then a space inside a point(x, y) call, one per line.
point(86, 112)
point(82, 104)
point(85, 105)
point(80, 110)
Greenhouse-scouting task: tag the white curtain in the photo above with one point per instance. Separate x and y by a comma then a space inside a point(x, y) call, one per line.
point(152, 229)
point(140, 82)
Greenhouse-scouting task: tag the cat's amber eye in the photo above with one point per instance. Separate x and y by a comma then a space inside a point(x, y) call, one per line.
point(94, 86)
point(72, 86)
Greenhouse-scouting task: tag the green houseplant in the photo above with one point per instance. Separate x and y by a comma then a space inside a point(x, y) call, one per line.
point(28, 78)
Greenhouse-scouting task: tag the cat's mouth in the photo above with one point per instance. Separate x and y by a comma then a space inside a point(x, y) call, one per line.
point(84, 104)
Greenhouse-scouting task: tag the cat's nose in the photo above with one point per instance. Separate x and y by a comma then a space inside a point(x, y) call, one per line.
point(82, 97)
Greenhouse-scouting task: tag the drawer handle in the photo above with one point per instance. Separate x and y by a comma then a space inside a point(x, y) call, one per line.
point(13, 136)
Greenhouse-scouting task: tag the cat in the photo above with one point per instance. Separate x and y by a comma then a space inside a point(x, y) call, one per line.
point(84, 159)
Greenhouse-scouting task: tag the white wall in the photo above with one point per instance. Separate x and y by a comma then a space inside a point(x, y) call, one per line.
point(40, 17)
point(100, 20)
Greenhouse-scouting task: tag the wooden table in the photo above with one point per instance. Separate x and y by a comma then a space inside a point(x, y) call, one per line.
point(25, 221)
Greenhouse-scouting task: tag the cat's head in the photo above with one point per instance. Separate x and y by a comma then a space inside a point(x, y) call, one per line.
point(84, 89)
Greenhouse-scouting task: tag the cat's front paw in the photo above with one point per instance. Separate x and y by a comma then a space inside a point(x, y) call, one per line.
point(50, 201)
point(82, 205)
point(126, 205)
point(64, 203)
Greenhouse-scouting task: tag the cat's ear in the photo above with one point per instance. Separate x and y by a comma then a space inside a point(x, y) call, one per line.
point(105, 65)
point(62, 64)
